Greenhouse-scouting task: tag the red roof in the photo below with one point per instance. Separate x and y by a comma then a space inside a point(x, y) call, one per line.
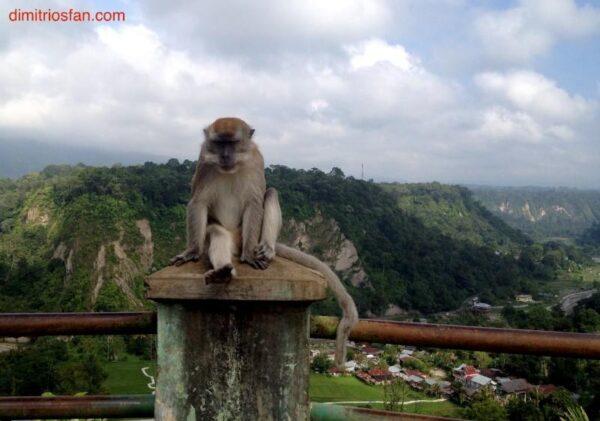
point(546, 389)
point(363, 375)
point(470, 370)
point(378, 372)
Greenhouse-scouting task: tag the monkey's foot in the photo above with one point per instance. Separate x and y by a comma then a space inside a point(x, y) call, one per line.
point(186, 256)
point(263, 255)
point(220, 276)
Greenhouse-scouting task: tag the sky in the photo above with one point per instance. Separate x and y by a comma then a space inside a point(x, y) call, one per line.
point(486, 92)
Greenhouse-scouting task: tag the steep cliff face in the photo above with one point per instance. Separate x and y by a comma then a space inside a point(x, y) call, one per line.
point(323, 237)
point(90, 253)
point(122, 268)
point(543, 213)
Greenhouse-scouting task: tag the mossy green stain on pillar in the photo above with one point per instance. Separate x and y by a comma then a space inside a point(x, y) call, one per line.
point(235, 351)
point(170, 358)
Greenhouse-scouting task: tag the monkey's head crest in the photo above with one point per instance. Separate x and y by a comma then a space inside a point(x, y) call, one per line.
point(228, 129)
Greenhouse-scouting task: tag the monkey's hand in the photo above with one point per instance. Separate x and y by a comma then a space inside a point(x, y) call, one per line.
point(263, 255)
point(260, 258)
point(190, 255)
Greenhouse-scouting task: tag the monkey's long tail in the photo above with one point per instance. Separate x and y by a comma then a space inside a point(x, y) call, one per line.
point(349, 312)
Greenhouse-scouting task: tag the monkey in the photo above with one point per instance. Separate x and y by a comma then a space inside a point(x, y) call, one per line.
point(232, 213)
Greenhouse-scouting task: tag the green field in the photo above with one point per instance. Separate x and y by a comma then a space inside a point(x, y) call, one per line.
point(325, 388)
point(125, 377)
point(330, 389)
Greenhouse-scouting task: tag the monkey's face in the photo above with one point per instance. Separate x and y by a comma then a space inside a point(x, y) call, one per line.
point(227, 144)
point(226, 154)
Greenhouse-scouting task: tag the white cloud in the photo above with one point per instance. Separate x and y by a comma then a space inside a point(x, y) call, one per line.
point(532, 92)
point(375, 51)
point(331, 89)
point(503, 124)
point(532, 27)
point(268, 27)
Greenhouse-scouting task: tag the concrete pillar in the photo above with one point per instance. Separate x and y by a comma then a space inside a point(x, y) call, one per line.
point(236, 351)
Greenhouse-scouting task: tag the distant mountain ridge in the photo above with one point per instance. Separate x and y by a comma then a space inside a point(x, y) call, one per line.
point(543, 213)
point(20, 157)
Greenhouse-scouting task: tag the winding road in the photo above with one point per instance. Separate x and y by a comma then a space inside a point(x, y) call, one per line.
point(569, 301)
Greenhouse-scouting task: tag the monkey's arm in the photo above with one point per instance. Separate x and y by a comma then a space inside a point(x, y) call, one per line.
point(197, 215)
point(349, 312)
point(251, 225)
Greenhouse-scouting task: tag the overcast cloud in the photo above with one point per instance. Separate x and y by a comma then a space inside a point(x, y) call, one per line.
point(413, 95)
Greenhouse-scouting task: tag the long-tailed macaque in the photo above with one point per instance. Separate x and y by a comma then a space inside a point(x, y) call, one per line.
point(232, 213)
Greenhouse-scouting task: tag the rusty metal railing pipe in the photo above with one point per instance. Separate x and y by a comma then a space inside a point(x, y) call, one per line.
point(34, 407)
point(48, 324)
point(130, 406)
point(515, 341)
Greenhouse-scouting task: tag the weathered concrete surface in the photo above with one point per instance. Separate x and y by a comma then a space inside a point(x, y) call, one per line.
point(284, 280)
point(237, 351)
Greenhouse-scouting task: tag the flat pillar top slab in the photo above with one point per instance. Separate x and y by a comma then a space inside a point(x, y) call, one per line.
point(284, 280)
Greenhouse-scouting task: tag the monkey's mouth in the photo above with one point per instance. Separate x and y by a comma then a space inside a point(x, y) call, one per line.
point(227, 167)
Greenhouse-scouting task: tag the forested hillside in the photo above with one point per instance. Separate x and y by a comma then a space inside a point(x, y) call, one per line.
point(454, 211)
point(543, 213)
point(77, 238)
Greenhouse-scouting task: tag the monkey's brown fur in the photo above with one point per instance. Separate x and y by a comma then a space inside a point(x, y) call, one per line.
point(232, 213)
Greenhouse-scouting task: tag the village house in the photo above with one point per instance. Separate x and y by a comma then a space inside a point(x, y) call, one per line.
point(444, 387)
point(491, 372)
point(478, 381)
point(364, 376)
point(516, 387)
point(524, 298)
point(395, 370)
point(415, 382)
point(463, 372)
point(475, 383)
point(371, 352)
point(380, 376)
point(546, 389)
point(414, 378)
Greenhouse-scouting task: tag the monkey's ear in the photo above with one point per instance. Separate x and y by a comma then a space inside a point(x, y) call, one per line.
point(250, 133)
